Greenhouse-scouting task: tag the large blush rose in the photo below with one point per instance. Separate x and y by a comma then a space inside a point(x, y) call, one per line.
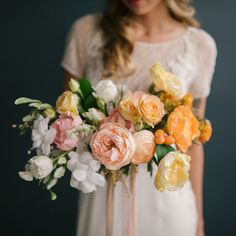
point(144, 146)
point(113, 146)
point(63, 126)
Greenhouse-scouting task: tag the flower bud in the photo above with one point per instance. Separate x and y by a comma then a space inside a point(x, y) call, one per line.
point(50, 113)
point(74, 85)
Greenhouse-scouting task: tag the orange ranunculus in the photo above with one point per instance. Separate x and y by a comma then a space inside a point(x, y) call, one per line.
point(144, 146)
point(205, 130)
point(151, 109)
point(188, 100)
point(183, 125)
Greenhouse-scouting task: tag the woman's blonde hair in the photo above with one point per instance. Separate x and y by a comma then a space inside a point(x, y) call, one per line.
point(118, 35)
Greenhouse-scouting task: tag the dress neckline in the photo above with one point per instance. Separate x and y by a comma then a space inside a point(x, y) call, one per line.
point(170, 41)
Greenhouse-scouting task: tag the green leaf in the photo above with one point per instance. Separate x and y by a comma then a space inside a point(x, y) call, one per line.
point(150, 167)
point(24, 100)
point(85, 87)
point(162, 150)
point(90, 102)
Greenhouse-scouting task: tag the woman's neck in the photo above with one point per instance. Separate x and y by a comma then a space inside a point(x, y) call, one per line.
point(156, 23)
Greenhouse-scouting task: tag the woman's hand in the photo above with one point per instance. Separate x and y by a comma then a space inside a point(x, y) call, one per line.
point(200, 227)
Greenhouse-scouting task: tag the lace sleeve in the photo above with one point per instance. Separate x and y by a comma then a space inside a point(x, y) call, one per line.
point(206, 59)
point(77, 39)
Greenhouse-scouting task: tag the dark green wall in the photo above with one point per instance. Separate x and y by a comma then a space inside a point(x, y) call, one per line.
point(32, 38)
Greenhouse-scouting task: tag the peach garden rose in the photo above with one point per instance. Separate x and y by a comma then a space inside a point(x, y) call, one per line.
point(113, 146)
point(151, 109)
point(144, 147)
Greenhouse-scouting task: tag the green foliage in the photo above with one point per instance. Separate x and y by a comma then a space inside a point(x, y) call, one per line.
point(162, 150)
point(85, 87)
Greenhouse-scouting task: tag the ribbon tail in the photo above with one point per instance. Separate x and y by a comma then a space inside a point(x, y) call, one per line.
point(110, 206)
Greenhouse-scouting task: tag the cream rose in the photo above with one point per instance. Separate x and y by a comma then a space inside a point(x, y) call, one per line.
point(128, 107)
point(105, 90)
point(113, 146)
point(172, 171)
point(67, 102)
point(144, 146)
point(164, 80)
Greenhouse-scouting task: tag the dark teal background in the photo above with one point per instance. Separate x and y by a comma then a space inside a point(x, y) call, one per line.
point(32, 38)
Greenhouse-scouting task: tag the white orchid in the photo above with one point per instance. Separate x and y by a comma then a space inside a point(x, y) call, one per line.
point(42, 136)
point(84, 169)
point(38, 167)
point(105, 90)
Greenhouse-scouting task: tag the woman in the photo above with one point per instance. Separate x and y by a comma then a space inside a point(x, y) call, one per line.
point(122, 44)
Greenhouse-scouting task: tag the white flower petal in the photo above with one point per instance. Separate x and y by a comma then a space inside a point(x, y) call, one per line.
point(52, 183)
point(79, 175)
point(87, 187)
point(94, 165)
point(59, 172)
point(74, 183)
point(26, 175)
point(62, 160)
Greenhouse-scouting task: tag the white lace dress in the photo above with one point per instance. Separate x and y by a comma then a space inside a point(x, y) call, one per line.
point(192, 58)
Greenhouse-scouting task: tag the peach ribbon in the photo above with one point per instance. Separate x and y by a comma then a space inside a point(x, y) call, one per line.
point(128, 206)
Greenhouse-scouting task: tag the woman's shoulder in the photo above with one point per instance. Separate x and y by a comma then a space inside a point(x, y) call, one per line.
point(203, 40)
point(86, 25)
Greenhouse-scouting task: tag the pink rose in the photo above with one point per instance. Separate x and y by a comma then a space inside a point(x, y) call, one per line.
point(116, 117)
point(113, 146)
point(64, 125)
point(144, 147)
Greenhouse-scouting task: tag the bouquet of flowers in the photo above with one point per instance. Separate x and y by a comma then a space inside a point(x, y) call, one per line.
point(104, 130)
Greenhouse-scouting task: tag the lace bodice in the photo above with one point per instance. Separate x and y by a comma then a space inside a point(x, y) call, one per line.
point(191, 57)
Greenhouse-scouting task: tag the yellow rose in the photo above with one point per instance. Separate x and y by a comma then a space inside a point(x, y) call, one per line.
point(151, 109)
point(172, 171)
point(165, 81)
point(128, 107)
point(67, 102)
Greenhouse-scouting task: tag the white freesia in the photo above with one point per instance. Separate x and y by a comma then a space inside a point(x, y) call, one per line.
point(59, 172)
point(84, 169)
point(52, 183)
point(105, 90)
point(42, 137)
point(38, 167)
point(94, 114)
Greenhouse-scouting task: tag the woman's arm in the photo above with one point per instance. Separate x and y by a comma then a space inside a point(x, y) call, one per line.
point(67, 77)
point(197, 168)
